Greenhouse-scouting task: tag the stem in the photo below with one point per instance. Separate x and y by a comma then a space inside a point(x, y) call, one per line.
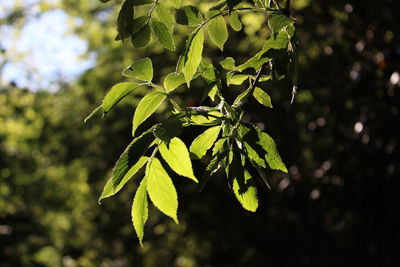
point(286, 11)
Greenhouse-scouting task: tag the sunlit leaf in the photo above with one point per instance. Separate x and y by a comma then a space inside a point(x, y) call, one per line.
point(244, 187)
point(193, 57)
point(236, 79)
point(147, 106)
point(177, 157)
point(116, 93)
point(262, 97)
point(113, 186)
point(165, 16)
point(141, 70)
point(140, 210)
point(204, 141)
point(161, 190)
point(234, 21)
point(272, 157)
point(228, 63)
point(217, 29)
point(173, 81)
point(130, 161)
point(162, 34)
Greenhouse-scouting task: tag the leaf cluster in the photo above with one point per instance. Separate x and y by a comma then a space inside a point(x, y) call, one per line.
point(239, 149)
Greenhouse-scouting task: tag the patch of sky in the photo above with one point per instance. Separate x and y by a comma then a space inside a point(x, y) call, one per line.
point(43, 52)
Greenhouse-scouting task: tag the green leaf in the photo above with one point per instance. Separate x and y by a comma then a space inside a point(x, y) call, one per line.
point(161, 190)
point(141, 70)
point(213, 92)
point(234, 21)
point(116, 93)
point(277, 21)
point(204, 142)
point(208, 72)
point(173, 81)
point(175, 3)
point(262, 97)
point(206, 118)
point(272, 157)
point(168, 129)
point(165, 16)
point(138, 24)
point(177, 157)
point(162, 34)
point(241, 98)
point(195, 44)
point(142, 37)
point(219, 146)
point(228, 63)
point(277, 43)
point(142, 2)
point(114, 185)
point(188, 15)
point(217, 29)
point(250, 140)
point(244, 188)
point(125, 19)
point(128, 163)
point(254, 62)
point(236, 79)
point(140, 210)
point(147, 106)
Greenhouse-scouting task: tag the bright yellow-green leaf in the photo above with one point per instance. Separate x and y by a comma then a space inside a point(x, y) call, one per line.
point(245, 190)
point(234, 21)
point(272, 157)
point(173, 80)
point(228, 63)
point(162, 34)
point(193, 56)
point(147, 106)
point(165, 16)
point(177, 157)
point(141, 70)
point(140, 210)
point(236, 79)
point(207, 118)
point(213, 92)
point(113, 186)
point(117, 92)
point(262, 97)
point(204, 142)
point(175, 3)
point(161, 190)
point(217, 29)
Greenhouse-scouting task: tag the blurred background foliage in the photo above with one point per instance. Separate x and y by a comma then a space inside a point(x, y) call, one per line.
point(339, 140)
